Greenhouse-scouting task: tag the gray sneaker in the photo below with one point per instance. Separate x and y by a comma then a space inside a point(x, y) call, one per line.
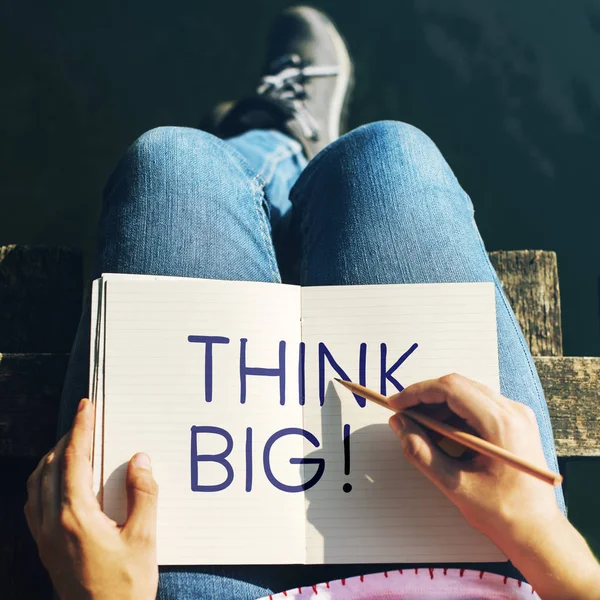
point(306, 87)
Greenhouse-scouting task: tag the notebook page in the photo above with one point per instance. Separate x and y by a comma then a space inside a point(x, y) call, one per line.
point(155, 392)
point(98, 314)
point(96, 383)
point(392, 512)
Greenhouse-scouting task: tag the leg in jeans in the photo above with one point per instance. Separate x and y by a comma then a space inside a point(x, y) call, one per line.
point(185, 203)
point(381, 205)
point(384, 187)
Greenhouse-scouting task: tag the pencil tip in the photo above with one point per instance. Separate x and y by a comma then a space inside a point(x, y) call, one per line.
point(338, 380)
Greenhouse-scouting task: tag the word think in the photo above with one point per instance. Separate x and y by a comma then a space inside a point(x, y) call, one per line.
point(324, 355)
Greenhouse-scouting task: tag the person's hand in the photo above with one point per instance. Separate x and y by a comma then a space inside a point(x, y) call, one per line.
point(518, 512)
point(87, 554)
point(494, 497)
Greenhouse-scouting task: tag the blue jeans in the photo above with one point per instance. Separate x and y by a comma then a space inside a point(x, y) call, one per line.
point(379, 205)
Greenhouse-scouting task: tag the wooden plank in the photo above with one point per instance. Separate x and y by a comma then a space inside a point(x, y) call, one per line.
point(30, 388)
point(572, 387)
point(530, 282)
point(40, 298)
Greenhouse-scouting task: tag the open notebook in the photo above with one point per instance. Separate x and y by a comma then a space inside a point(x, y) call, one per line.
point(260, 457)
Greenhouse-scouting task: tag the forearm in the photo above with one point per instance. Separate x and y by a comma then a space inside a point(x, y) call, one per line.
point(555, 560)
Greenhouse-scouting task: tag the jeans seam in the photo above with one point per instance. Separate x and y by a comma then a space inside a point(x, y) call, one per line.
point(271, 161)
point(309, 172)
point(239, 161)
point(257, 185)
point(297, 191)
point(305, 237)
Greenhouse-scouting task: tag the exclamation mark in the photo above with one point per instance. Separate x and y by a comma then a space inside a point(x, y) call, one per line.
point(347, 487)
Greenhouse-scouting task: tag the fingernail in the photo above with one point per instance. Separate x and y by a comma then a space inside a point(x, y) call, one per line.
point(392, 399)
point(142, 461)
point(397, 424)
point(82, 404)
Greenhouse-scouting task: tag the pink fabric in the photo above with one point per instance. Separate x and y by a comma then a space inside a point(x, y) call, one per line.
point(417, 584)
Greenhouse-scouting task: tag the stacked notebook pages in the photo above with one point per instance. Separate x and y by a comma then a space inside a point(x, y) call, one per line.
point(260, 457)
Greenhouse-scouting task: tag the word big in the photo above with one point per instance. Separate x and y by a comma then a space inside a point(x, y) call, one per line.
point(221, 459)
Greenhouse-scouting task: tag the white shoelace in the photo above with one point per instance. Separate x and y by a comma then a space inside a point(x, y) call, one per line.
point(288, 86)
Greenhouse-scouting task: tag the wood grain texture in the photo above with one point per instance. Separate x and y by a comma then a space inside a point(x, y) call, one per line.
point(572, 387)
point(530, 282)
point(30, 388)
point(40, 298)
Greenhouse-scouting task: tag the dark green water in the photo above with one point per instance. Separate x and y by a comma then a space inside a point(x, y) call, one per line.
point(509, 90)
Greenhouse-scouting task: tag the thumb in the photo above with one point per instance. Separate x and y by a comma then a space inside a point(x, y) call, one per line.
point(142, 499)
point(423, 452)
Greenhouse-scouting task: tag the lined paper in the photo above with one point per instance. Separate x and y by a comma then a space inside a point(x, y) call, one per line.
point(155, 391)
point(393, 513)
point(148, 384)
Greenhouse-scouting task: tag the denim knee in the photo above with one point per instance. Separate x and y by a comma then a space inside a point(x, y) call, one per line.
point(397, 146)
point(163, 153)
point(183, 202)
point(400, 135)
point(162, 141)
point(386, 162)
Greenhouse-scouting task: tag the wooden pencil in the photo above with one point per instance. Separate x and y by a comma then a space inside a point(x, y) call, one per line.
point(462, 437)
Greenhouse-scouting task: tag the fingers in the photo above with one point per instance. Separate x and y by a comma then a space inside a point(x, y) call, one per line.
point(476, 404)
point(42, 484)
point(33, 506)
point(422, 452)
point(142, 500)
point(50, 486)
point(77, 469)
point(62, 471)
